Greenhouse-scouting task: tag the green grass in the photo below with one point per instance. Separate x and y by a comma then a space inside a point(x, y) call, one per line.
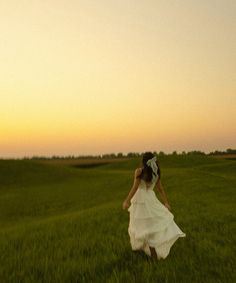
point(66, 224)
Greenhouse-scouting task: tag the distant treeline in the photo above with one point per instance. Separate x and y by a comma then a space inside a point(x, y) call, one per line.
point(228, 151)
point(132, 154)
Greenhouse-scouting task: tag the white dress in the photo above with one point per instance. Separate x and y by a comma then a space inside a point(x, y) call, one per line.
point(151, 223)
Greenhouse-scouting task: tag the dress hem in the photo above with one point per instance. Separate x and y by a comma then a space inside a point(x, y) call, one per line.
point(162, 250)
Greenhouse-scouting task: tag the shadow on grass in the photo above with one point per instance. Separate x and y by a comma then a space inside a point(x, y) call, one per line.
point(89, 165)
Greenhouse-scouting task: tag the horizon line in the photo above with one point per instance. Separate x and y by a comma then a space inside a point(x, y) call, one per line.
point(121, 154)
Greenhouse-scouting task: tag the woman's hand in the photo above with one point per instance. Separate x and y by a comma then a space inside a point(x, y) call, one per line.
point(126, 204)
point(167, 206)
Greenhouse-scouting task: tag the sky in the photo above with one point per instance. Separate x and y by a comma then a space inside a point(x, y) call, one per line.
point(100, 76)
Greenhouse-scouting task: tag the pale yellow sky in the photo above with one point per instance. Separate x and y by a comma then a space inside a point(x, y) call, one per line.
point(91, 77)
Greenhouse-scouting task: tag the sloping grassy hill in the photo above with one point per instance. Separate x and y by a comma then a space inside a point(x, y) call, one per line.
point(66, 224)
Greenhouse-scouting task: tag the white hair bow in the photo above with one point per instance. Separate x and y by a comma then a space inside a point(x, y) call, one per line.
point(152, 163)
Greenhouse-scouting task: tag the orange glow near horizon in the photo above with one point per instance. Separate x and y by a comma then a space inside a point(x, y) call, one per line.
point(93, 77)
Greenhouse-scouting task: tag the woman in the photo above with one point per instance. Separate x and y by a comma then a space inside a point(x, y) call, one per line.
point(151, 225)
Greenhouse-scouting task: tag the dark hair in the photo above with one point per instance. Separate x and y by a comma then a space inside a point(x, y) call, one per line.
point(146, 173)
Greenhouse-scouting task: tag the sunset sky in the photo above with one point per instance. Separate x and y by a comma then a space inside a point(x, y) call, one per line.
point(101, 76)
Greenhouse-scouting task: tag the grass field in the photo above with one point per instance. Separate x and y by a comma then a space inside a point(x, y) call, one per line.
point(65, 223)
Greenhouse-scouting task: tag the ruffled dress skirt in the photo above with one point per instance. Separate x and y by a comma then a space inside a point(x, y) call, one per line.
point(151, 224)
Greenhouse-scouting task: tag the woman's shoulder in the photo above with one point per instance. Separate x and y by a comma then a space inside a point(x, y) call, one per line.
point(138, 171)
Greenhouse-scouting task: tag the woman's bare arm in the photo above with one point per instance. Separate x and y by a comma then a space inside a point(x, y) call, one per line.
point(134, 188)
point(163, 194)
